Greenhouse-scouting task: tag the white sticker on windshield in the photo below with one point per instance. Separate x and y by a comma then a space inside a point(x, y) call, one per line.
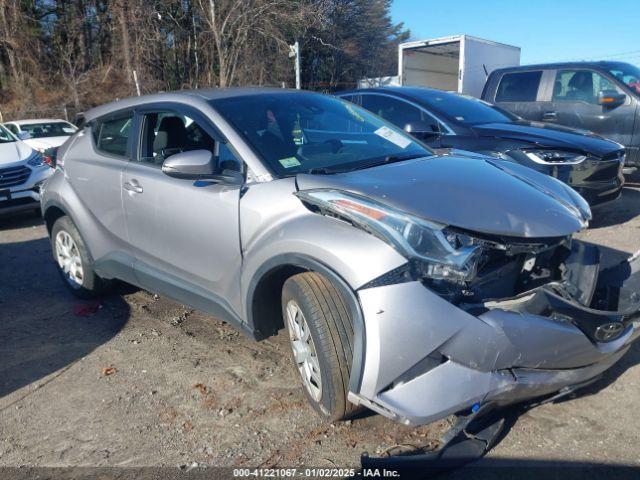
point(289, 162)
point(393, 137)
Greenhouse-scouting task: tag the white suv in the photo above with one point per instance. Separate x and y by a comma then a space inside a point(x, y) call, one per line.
point(42, 133)
point(22, 172)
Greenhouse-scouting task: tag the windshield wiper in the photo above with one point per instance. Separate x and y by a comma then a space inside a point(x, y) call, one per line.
point(393, 159)
point(328, 171)
point(401, 158)
point(382, 161)
point(320, 171)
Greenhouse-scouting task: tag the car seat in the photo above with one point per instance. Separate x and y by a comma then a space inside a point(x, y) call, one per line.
point(170, 139)
point(581, 87)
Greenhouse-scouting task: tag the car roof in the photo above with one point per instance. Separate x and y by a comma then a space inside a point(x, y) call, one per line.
point(37, 120)
point(427, 98)
point(186, 96)
point(415, 94)
point(603, 64)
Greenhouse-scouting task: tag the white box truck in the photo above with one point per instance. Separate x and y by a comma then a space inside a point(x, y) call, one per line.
point(460, 63)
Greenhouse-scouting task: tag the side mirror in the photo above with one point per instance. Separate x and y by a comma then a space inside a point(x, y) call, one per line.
point(611, 98)
point(198, 165)
point(23, 135)
point(422, 130)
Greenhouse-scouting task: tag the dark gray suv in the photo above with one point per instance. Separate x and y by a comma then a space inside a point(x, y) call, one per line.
point(601, 97)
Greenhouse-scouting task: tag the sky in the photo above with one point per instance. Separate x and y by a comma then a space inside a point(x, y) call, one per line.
point(545, 30)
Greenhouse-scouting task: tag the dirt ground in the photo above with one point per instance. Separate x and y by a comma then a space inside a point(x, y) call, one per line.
point(143, 381)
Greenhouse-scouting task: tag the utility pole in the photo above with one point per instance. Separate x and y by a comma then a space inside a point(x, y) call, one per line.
point(294, 51)
point(135, 80)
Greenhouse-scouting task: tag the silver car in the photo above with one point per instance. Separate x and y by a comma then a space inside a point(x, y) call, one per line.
point(413, 284)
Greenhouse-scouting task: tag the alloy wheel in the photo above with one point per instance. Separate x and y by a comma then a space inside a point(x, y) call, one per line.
point(304, 350)
point(69, 259)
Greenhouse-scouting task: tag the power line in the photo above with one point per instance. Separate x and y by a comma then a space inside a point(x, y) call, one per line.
point(619, 56)
point(622, 54)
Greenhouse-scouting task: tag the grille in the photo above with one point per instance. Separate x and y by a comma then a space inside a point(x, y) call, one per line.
point(617, 155)
point(606, 171)
point(12, 176)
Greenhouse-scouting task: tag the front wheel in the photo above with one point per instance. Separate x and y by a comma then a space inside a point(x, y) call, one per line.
point(321, 336)
point(73, 260)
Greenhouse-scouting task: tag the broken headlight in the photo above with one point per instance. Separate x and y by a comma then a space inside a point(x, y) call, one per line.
point(554, 157)
point(440, 252)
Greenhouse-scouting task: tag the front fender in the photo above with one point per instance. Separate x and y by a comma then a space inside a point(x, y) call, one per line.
point(285, 233)
point(274, 222)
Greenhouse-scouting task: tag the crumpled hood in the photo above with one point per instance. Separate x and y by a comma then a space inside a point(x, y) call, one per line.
point(549, 136)
point(488, 195)
point(13, 152)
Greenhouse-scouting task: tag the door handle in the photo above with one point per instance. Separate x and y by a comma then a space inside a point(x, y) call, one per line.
point(133, 186)
point(549, 116)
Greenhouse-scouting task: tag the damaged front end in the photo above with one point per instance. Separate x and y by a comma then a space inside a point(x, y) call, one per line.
point(475, 319)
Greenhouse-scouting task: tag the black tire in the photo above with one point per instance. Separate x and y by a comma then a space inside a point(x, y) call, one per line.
point(331, 330)
point(91, 285)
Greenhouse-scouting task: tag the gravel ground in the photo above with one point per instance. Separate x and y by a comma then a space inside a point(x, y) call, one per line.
point(139, 380)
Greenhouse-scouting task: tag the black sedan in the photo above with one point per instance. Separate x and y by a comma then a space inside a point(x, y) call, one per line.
point(591, 164)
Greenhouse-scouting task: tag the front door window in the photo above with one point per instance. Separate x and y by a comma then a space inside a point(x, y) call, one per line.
point(580, 86)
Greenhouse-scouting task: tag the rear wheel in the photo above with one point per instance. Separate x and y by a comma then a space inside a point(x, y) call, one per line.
point(321, 336)
point(73, 261)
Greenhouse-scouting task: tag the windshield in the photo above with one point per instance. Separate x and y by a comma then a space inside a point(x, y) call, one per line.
point(5, 136)
point(466, 110)
point(303, 132)
point(49, 129)
point(627, 74)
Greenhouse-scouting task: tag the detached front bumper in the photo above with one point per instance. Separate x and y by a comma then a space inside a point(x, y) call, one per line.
point(426, 358)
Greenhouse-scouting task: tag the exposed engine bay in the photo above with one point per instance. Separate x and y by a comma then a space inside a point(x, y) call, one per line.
point(560, 279)
point(505, 268)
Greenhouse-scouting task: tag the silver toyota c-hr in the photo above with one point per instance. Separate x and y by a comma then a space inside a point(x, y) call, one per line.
point(414, 284)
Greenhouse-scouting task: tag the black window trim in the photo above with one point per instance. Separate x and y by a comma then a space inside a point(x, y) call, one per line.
point(140, 122)
point(408, 102)
point(539, 92)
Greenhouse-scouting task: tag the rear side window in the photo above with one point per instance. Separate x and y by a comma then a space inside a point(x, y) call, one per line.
point(112, 136)
point(519, 87)
point(396, 111)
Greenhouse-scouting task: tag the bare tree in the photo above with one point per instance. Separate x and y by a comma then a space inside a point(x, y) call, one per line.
point(84, 52)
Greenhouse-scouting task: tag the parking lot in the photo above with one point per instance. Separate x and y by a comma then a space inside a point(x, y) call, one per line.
point(139, 380)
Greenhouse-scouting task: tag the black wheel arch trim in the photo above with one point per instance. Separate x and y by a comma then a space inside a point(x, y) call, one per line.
point(311, 264)
point(67, 213)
